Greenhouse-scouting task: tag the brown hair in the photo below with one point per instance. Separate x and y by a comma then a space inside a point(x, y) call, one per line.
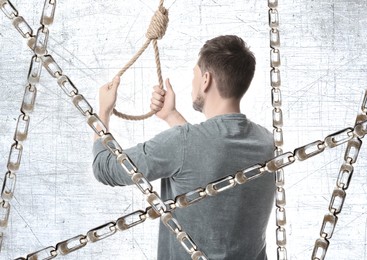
point(231, 64)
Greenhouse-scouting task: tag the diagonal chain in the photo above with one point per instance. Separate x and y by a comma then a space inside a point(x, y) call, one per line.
point(84, 107)
point(214, 188)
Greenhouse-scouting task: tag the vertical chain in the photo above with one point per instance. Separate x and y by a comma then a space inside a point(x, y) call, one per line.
point(27, 106)
point(276, 101)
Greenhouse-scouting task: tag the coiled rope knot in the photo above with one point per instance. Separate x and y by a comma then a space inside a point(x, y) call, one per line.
point(158, 25)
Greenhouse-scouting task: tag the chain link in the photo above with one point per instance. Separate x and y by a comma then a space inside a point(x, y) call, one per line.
point(282, 160)
point(9, 10)
point(48, 12)
point(35, 68)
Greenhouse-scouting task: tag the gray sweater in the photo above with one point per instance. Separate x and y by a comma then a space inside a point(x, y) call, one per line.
point(231, 225)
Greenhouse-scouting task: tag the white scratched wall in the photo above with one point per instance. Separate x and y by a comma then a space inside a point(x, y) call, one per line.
point(323, 70)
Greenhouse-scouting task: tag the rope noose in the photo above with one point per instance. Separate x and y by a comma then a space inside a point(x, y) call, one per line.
point(156, 30)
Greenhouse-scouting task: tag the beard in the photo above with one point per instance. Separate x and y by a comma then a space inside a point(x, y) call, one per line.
point(198, 103)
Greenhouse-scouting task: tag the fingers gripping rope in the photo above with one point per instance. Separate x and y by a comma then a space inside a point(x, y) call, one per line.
point(156, 30)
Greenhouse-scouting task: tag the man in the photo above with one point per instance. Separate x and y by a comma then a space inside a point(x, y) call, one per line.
point(231, 225)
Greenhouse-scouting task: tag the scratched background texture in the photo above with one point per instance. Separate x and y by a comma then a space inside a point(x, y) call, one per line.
point(323, 54)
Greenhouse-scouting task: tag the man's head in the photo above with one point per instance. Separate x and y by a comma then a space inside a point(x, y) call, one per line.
point(231, 65)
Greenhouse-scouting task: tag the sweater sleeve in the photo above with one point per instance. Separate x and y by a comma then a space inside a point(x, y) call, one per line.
point(160, 157)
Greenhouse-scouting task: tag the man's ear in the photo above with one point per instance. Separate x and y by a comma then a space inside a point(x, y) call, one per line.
point(207, 81)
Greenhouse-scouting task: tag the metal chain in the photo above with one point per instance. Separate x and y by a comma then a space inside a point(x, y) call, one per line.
point(157, 204)
point(276, 101)
point(158, 207)
point(96, 234)
point(21, 131)
point(217, 187)
point(301, 153)
point(342, 184)
point(84, 107)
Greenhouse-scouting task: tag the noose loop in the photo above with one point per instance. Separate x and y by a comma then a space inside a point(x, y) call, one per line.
point(156, 30)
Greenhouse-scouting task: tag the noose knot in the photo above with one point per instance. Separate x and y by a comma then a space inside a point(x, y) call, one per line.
point(158, 24)
point(156, 30)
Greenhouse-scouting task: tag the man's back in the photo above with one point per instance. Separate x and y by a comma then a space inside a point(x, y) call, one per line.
point(230, 225)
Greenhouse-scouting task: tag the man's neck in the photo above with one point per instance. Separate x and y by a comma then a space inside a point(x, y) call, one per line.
point(221, 107)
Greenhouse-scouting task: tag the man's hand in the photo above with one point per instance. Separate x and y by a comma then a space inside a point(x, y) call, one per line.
point(163, 102)
point(108, 96)
point(107, 101)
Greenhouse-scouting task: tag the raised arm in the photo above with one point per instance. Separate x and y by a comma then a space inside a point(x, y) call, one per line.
point(165, 148)
point(164, 103)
